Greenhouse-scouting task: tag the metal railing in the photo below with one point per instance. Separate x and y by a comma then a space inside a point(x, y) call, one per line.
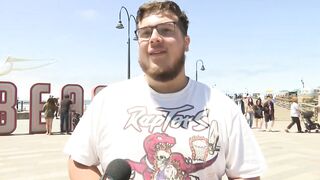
point(311, 106)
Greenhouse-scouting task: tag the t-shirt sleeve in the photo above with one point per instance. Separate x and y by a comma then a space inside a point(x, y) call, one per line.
point(80, 146)
point(243, 155)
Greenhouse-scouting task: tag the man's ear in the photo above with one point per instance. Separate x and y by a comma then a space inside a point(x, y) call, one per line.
point(187, 43)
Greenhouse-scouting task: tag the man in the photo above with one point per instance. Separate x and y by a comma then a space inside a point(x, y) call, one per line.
point(165, 125)
point(268, 108)
point(242, 105)
point(64, 114)
point(295, 114)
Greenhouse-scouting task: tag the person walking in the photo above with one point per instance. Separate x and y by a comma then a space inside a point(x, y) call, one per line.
point(242, 105)
point(249, 111)
point(64, 114)
point(295, 112)
point(164, 124)
point(49, 109)
point(268, 109)
point(258, 113)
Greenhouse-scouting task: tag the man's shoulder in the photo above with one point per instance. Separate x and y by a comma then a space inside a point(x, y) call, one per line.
point(124, 87)
point(132, 83)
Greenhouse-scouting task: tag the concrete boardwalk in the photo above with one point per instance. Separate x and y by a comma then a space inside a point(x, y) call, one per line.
point(33, 157)
point(290, 156)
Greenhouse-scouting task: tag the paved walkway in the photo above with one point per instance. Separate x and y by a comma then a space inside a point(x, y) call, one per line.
point(33, 157)
point(290, 156)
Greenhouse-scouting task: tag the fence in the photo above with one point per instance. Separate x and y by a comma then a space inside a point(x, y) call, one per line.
point(311, 106)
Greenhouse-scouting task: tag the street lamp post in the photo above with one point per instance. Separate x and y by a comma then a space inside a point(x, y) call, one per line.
point(120, 26)
point(202, 67)
point(302, 82)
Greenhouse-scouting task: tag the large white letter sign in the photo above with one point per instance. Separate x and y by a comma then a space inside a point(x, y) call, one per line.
point(76, 94)
point(96, 90)
point(36, 105)
point(8, 111)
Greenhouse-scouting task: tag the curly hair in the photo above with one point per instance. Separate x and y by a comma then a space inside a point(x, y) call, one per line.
point(155, 7)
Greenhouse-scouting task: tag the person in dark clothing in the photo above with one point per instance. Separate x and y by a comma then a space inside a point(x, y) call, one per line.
point(242, 105)
point(268, 108)
point(64, 114)
point(258, 113)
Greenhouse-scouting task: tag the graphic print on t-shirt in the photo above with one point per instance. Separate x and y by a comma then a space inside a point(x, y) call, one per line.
point(160, 160)
point(139, 119)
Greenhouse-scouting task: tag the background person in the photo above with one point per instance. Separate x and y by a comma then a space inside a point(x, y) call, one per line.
point(268, 109)
point(258, 113)
point(164, 120)
point(241, 104)
point(249, 111)
point(295, 112)
point(49, 109)
point(64, 114)
point(56, 101)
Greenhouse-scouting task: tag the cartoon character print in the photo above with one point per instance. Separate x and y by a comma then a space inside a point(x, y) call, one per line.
point(201, 147)
point(161, 163)
point(179, 167)
point(158, 149)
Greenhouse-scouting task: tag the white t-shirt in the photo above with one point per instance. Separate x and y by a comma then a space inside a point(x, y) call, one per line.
point(196, 132)
point(294, 110)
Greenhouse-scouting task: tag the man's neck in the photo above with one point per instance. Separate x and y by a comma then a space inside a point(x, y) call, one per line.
point(171, 86)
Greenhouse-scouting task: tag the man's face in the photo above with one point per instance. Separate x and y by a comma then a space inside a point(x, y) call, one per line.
point(162, 57)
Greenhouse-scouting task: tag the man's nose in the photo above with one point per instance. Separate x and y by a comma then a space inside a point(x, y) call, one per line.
point(155, 36)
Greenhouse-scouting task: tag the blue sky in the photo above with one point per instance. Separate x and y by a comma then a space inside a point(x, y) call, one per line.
point(246, 45)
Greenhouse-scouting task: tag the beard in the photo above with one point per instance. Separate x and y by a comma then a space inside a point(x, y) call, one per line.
point(167, 74)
